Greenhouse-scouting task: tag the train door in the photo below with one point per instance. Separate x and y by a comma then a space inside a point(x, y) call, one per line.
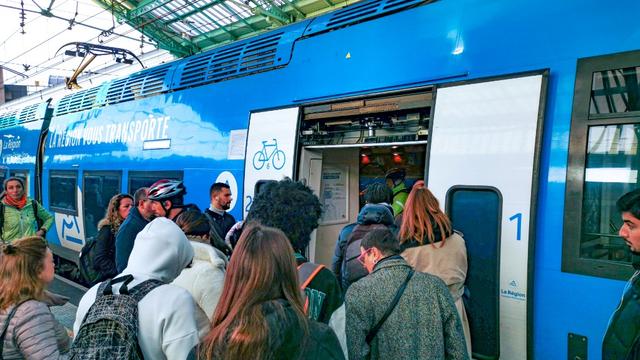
point(483, 165)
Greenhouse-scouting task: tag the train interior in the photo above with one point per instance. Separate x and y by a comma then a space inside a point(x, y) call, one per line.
point(345, 174)
point(348, 145)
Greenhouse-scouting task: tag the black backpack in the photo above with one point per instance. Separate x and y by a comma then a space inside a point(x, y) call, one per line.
point(109, 330)
point(86, 262)
point(354, 271)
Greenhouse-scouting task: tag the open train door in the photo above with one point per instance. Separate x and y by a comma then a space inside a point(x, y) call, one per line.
point(483, 165)
point(271, 145)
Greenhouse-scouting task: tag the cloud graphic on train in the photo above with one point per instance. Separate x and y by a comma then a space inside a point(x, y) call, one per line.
point(172, 129)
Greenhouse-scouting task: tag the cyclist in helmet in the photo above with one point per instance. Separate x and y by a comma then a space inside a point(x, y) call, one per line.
point(395, 181)
point(167, 198)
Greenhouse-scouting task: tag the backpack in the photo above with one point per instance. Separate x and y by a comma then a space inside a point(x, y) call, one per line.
point(307, 271)
point(34, 207)
point(354, 271)
point(86, 262)
point(109, 330)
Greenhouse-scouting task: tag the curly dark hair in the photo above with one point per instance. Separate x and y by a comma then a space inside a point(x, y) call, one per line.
point(289, 206)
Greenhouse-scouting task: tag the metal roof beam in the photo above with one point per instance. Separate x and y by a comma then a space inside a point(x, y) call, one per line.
point(149, 28)
point(194, 11)
point(146, 6)
point(274, 12)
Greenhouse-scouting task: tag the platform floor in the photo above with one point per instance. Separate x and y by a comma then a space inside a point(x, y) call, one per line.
point(65, 314)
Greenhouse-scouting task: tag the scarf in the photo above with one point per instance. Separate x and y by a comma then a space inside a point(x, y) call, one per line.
point(16, 203)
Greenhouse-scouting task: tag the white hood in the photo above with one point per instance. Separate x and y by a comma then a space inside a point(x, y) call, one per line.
point(161, 251)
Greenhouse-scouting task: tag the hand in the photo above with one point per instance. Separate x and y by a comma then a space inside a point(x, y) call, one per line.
point(41, 233)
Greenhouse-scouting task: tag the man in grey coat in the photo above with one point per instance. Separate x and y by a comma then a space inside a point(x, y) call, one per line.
point(423, 325)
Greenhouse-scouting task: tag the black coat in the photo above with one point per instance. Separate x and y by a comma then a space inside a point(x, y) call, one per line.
point(220, 223)
point(622, 339)
point(371, 214)
point(126, 236)
point(287, 339)
point(105, 254)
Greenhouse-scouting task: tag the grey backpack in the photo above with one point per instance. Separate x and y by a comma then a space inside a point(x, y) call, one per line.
point(109, 330)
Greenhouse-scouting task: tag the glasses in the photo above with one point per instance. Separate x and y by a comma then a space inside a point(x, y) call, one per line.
point(363, 255)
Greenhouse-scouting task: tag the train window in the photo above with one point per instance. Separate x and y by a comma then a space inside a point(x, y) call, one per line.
point(603, 164)
point(138, 179)
point(63, 192)
point(615, 91)
point(476, 212)
point(98, 189)
point(3, 175)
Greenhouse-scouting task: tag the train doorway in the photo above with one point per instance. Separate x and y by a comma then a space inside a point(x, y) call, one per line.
point(340, 176)
point(347, 145)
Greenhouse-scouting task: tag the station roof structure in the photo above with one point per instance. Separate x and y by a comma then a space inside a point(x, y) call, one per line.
point(186, 27)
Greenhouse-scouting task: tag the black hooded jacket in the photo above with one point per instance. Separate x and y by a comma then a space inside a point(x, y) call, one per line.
point(371, 214)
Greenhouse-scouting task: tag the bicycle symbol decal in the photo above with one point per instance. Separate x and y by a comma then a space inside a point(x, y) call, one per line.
point(269, 152)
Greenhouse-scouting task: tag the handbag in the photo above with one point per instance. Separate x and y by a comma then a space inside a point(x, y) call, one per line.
point(374, 331)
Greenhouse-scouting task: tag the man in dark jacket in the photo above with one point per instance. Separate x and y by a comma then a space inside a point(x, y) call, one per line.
point(293, 208)
point(622, 339)
point(221, 221)
point(377, 213)
point(424, 323)
point(137, 219)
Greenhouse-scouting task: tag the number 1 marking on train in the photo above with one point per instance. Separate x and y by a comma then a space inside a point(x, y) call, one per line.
point(519, 231)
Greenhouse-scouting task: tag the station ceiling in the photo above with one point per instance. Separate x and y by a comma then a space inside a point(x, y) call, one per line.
point(185, 27)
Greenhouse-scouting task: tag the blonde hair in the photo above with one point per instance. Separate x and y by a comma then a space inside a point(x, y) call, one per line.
point(112, 217)
point(21, 264)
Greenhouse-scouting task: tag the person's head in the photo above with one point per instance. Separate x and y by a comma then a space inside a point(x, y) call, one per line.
point(194, 224)
point(117, 211)
point(629, 207)
point(395, 176)
point(220, 194)
point(422, 218)
point(142, 202)
point(160, 250)
point(289, 206)
point(262, 268)
point(378, 193)
point(26, 267)
point(14, 188)
point(377, 245)
point(167, 197)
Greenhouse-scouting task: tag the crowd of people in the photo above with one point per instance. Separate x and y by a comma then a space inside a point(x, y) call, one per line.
point(176, 283)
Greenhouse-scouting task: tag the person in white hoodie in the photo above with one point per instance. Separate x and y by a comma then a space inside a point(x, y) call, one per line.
point(166, 316)
point(205, 278)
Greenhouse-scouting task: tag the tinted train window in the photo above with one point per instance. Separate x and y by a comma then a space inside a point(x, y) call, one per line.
point(98, 189)
point(63, 192)
point(138, 179)
point(603, 164)
point(476, 212)
point(3, 176)
point(615, 91)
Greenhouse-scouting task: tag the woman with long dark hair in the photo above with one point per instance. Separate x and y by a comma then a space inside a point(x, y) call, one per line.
point(105, 252)
point(260, 313)
point(28, 330)
point(430, 245)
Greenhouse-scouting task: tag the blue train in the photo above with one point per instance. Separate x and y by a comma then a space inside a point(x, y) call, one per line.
point(522, 116)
